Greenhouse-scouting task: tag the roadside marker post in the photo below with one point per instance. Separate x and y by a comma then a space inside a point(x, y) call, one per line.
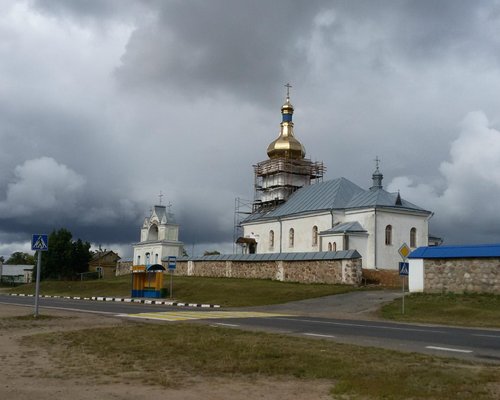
point(172, 263)
point(39, 243)
point(404, 252)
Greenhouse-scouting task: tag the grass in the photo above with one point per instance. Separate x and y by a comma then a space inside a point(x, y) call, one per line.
point(469, 309)
point(228, 292)
point(172, 354)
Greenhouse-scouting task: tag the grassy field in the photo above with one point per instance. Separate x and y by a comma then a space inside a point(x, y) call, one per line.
point(480, 310)
point(223, 291)
point(175, 353)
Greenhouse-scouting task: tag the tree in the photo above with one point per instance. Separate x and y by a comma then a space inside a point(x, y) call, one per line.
point(2, 260)
point(65, 258)
point(20, 258)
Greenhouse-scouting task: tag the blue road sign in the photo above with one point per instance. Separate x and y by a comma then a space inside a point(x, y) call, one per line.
point(404, 267)
point(40, 242)
point(172, 261)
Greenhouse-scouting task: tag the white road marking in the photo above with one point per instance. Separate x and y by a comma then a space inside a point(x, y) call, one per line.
point(362, 325)
point(221, 324)
point(318, 335)
point(448, 349)
point(493, 336)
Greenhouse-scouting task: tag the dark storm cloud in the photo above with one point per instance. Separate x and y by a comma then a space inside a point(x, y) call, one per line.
point(204, 48)
point(121, 99)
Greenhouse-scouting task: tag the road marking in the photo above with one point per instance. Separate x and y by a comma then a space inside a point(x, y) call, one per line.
point(173, 316)
point(448, 349)
point(362, 325)
point(221, 324)
point(318, 335)
point(493, 336)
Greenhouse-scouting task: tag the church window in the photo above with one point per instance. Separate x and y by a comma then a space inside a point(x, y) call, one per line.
point(291, 237)
point(413, 237)
point(329, 247)
point(346, 242)
point(271, 239)
point(334, 246)
point(147, 258)
point(156, 258)
point(388, 235)
point(138, 260)
point(315, 236)
point(153, 233)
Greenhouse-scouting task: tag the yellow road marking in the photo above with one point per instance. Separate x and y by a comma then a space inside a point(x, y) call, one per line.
point(192, 315)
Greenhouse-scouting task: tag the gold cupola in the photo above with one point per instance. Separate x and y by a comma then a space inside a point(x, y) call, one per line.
point(286, 145)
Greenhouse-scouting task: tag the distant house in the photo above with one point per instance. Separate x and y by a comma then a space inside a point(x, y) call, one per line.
point(104, 262)
point(16, 274)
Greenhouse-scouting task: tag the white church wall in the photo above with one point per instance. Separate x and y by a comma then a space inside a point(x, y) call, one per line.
point(387, 256)
point(303, 232)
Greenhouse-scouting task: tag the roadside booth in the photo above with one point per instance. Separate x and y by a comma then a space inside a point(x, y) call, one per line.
point(147, 281)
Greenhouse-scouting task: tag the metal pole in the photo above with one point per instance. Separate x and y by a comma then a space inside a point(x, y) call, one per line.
point(403, 304)
point(37, 285)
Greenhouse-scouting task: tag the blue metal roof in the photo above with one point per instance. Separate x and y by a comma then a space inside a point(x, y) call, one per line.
point(466, 251)
point(305, 256)
point(354, 226)
point(338, 193)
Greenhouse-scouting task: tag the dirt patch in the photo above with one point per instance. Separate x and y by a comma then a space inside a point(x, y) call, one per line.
point(27, 372)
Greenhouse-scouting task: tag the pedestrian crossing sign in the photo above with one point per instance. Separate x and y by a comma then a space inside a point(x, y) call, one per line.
point(404, 268)
point(40, 242)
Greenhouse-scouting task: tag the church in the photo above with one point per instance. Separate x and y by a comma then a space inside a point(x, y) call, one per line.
point(159, 238)
point(294, 210)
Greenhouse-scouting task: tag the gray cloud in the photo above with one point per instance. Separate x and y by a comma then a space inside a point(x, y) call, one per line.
point(103, 104)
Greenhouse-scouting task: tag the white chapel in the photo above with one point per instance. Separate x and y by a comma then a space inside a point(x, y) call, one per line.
point(294, 210)
point(159, 238)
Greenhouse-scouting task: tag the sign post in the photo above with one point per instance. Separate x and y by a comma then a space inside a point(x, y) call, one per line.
point(39, 243)
point(403, 251)
point(172, 261)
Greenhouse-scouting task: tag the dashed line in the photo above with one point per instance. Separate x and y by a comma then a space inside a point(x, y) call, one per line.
point(491, 336)
point(448, 349)
point(319, 335)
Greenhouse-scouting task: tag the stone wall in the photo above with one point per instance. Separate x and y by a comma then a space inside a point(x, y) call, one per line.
point(123, 268)
point(462, 275)
point(318, 271)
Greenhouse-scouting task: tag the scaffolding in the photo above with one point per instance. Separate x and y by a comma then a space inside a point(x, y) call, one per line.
point(290, 175)
point(242, 208)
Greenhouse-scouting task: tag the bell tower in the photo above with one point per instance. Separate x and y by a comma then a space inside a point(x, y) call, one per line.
point(287, 169)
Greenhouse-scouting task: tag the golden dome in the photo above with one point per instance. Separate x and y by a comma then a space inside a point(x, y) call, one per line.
point(286, 145)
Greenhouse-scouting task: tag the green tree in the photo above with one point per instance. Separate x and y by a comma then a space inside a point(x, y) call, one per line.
point(20, 258)
point(65, 258)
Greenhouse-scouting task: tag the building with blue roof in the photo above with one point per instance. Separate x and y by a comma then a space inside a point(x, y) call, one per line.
point(465, 268)
point(296, 211)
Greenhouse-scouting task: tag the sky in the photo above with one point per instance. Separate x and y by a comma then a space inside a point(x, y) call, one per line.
point(105, 104)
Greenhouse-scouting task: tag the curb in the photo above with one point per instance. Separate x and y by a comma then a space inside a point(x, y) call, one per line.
point(124, 300)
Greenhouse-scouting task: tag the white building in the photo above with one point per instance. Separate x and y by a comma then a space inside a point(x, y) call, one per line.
point(159, 238)
point(294, 211)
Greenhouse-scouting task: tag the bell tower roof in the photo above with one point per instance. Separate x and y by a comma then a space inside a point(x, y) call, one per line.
point(286, 145)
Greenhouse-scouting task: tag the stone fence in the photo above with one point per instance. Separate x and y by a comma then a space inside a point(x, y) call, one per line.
point(480, 275)
point(342, 267)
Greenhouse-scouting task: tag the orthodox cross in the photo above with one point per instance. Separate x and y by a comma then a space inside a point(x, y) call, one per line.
point(160, 196)
point(377, 162)
point(288, 86)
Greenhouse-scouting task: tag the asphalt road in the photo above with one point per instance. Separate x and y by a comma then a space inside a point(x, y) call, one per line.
point(469, 343)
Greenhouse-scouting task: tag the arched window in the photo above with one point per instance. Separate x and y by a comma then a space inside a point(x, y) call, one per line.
point(271, 239)
point(291, 237)
point(156, 258)
point(413, 237)
point(315, 236)
point(153, 233)
point(329, 247)
point(388, 235)
point(138, 260)
point(334, 246)
point(147, 258)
